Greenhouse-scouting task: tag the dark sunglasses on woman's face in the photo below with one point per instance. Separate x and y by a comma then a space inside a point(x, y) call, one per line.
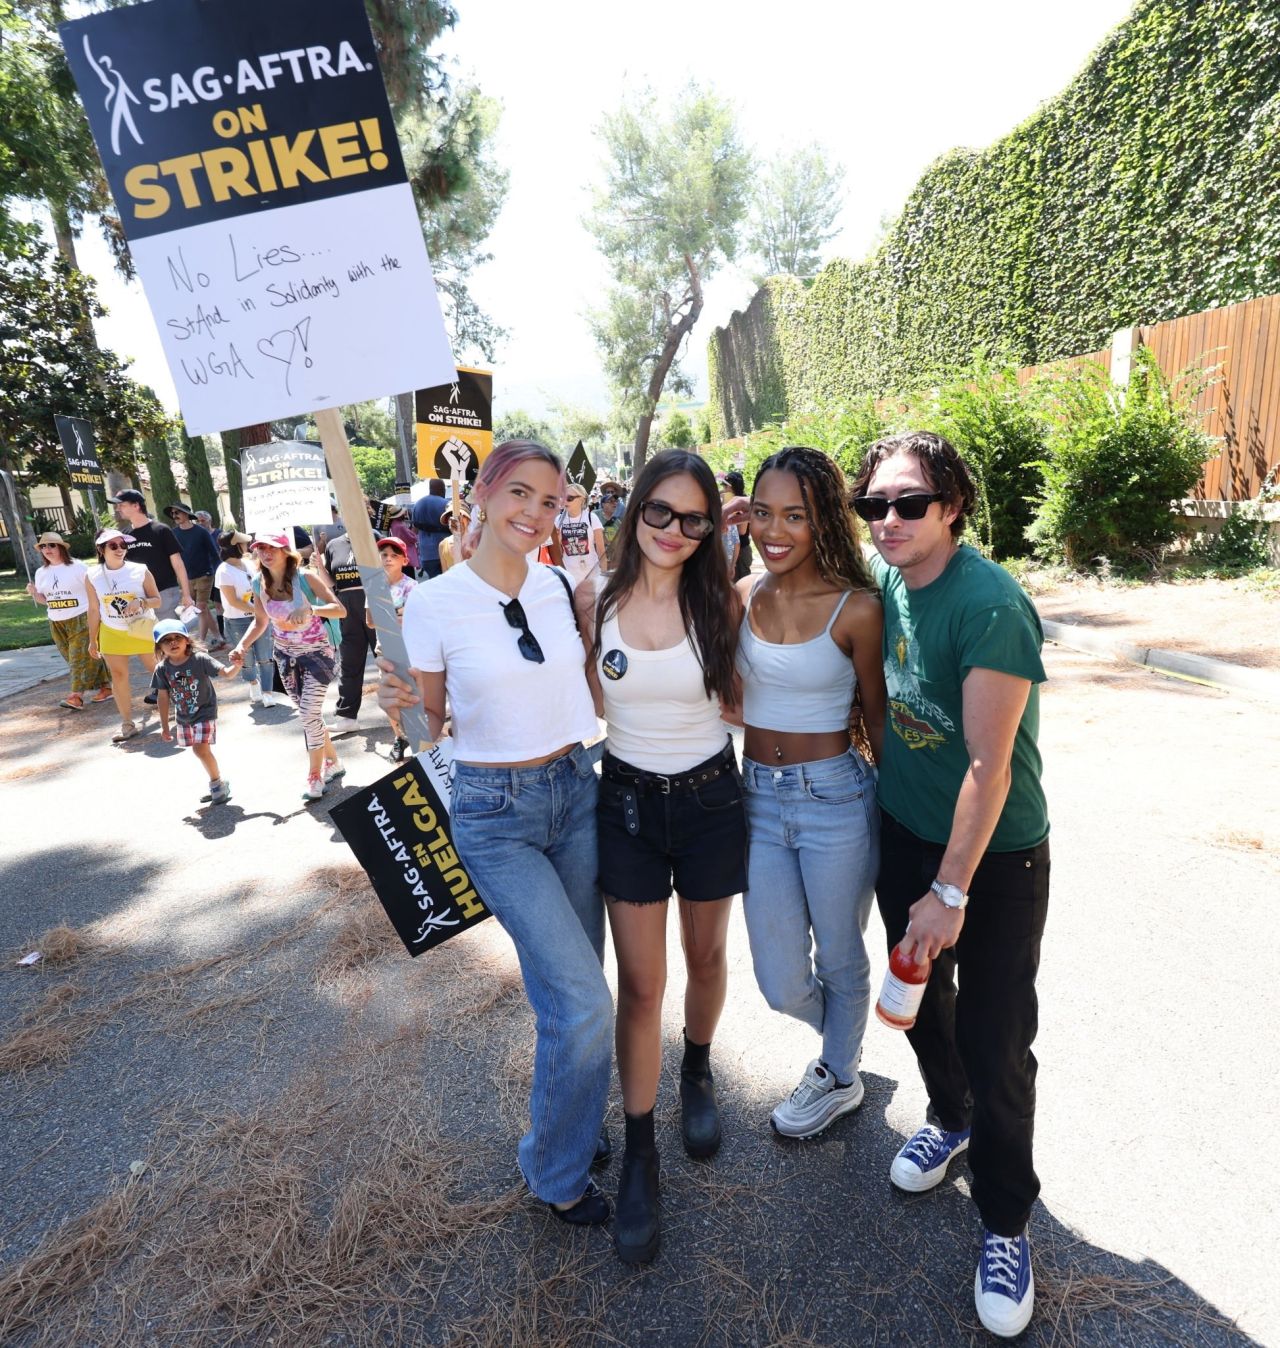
point(692, 525)
point(528, 643)
point(912, 506)
point(116, 547)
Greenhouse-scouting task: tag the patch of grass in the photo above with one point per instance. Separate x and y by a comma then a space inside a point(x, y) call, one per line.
point(22, 622)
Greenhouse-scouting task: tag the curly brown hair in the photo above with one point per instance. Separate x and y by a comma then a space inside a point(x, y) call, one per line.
point(943, 468)
point(832, 523)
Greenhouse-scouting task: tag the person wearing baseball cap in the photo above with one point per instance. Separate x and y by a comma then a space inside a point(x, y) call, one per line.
point(201, 557)
point(183, 681)
point(394, 555)
point(234, 586)
point(59, 584)
point(155, 546)
point(122, 597)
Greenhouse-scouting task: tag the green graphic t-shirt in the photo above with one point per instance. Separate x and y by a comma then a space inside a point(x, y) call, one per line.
point(974, 616)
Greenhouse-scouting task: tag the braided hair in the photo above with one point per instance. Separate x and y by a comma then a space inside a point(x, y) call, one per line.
point(834, 528)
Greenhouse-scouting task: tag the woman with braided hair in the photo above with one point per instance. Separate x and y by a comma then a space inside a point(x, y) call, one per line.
point(809, 646)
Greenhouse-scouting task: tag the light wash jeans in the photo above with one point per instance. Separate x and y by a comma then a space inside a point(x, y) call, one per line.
point(811, 874)
point(258, 666)
point(528, 839)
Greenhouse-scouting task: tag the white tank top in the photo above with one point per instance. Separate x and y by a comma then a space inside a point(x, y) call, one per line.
point(659, 716)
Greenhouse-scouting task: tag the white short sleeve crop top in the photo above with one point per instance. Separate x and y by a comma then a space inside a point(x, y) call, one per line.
point(505, 709)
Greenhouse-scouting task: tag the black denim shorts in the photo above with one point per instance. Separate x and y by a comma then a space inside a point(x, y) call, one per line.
point(694, 840)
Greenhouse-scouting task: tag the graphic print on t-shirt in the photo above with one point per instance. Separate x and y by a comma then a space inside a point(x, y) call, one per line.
point(184, 688)
point(911, 714)
point(574, 538)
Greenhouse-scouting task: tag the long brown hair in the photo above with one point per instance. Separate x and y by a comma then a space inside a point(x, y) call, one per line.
point(708, 601)
point(292, 561)
point(832, 523)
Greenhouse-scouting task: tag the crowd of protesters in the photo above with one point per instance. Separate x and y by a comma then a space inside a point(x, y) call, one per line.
point(888, 704)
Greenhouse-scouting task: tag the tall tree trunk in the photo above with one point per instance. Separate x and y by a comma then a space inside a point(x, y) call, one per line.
point(157, 455)
point(675, 334)
point(199, 479)
point(17, 526)
point(235, 481)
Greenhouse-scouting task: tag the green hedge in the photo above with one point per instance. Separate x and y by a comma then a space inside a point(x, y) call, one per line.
point(1146, 190)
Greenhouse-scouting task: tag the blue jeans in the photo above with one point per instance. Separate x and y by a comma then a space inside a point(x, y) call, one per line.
point(257, 665)
point(811, 873)
point(527, 836)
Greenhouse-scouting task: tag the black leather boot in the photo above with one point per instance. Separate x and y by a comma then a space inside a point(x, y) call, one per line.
point(699, 1113)
point(636, 1223)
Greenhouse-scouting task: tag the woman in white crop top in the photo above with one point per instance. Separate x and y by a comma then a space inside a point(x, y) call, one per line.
point(671, 812)
point(810, 642)
point(499, 635)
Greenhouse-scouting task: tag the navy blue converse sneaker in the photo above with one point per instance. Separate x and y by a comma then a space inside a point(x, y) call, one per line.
point(923, 1162)
point(1003, 1289)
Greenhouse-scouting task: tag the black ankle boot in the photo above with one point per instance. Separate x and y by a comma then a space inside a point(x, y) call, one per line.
point(699, 1113)
point(636, 1225)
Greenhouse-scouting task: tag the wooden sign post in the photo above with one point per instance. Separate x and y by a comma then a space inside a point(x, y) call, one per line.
point(364, 548)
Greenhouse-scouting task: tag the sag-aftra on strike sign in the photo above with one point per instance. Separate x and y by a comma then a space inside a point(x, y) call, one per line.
point(251, 153)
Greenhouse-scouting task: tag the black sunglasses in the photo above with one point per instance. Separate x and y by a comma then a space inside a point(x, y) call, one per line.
point(692, 525)
point(912, 506)
point(528, 643)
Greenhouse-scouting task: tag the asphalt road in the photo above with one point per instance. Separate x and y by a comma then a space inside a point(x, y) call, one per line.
point(1157, 1092)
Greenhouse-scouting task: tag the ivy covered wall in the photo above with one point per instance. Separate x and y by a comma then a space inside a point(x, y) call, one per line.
point(1149, 188)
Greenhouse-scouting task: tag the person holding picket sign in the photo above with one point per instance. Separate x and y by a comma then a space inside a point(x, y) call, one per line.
point(500, 637)
point(671, 810)
point(810, 644)
point(302, 614)
point(123, 601)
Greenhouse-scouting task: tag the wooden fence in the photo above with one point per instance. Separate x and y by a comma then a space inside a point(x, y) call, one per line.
point(1240, 409)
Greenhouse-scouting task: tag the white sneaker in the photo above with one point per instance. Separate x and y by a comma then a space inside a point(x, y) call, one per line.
point(314, 788)
point(816, 1102)
point(257, 698)
point(1004, 1290)
point(333, 770)
point(341, 725)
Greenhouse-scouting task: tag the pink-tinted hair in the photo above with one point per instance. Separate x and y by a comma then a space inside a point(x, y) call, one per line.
point(496, 469)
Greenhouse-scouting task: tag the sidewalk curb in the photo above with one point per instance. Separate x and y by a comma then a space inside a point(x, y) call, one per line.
point(1240, 678)
point(12, 683)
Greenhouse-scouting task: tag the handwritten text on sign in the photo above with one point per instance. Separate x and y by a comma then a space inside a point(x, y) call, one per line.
point(285, 482)
point(254, 163)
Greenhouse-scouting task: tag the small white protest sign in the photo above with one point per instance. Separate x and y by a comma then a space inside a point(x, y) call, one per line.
point(285, 483)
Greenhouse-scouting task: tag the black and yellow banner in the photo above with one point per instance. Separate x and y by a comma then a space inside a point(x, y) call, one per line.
point(454, 424)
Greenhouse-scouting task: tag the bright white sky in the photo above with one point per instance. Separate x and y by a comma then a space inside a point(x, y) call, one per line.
point(885, 88)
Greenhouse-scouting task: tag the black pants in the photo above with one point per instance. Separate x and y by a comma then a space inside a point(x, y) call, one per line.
point(430, 569)
point(974, 1048)
point(357, 641)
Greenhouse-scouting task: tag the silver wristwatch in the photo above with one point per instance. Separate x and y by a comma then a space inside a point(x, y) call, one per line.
point(950, 895)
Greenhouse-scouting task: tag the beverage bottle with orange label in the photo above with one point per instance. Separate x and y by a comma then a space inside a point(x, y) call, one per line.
point(903, 989)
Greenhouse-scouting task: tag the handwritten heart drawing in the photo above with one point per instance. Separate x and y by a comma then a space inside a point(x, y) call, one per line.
point(283, 346)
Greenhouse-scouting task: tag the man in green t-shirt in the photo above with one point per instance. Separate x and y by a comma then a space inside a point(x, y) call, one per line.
point(964, 852)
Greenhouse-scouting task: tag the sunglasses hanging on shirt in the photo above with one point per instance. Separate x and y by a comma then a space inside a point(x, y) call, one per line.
point(527, 645)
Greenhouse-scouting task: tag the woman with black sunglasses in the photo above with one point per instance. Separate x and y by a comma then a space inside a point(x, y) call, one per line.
point(810, 645)
point(500, 637)
point(671, 813)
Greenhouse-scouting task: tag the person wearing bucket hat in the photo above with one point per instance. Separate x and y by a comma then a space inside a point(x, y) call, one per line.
point(59, 584)
point(452, 550)
point(123, 599)
point(201, 558)
point(183, 681)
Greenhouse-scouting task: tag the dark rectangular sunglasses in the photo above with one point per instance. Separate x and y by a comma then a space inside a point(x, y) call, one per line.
point(912, 506)
point(692, 525)
point(528, 643)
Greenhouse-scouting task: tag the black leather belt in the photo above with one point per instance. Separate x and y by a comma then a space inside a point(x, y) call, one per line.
point(615, 770)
